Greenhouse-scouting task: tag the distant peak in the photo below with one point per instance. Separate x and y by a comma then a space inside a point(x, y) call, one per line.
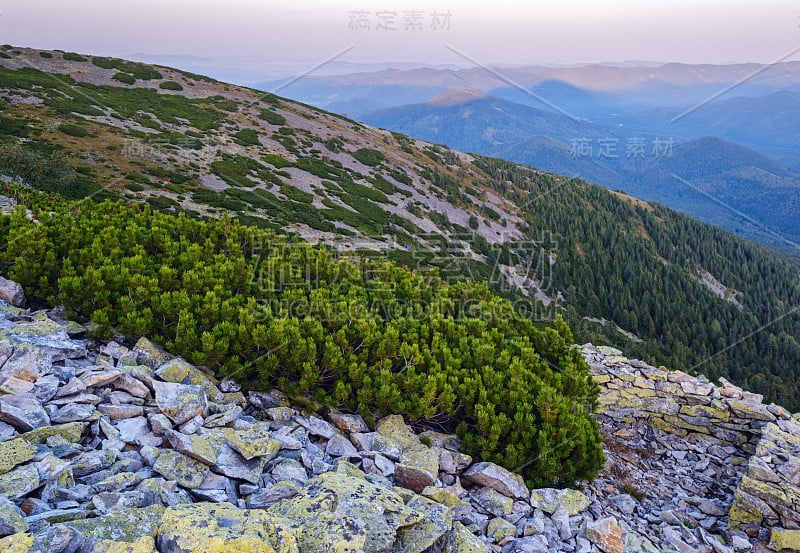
point(455, 97)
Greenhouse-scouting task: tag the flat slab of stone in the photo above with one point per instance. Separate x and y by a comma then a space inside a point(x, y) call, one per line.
point(498, 478)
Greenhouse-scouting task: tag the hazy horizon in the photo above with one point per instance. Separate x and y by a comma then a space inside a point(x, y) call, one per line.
point(284, 38)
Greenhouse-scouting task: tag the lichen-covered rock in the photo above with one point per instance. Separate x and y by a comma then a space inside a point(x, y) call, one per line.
point(125, 525)
point(418, 465)
point(179, 371)
point(353, 513)
point(93, 461)
point(499, 529)
point(256, 441)
point(12, 520)
point(781, 539)
point(180, 402)
point(149, 354)
point(436, 520)
point(145, 544)
point(549, 499)
point(187, 472)
point(19, 482)
point(498, 478)
point(493, 502)
point(417, 469)
point(461, 540)
point(16, 543)
point(13, 453)
point(70, 432)
point(222, 528)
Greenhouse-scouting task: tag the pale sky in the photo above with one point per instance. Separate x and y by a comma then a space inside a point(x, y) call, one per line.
point(496, 31)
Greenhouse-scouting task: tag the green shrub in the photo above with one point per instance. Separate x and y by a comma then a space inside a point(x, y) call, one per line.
point(124, 78)
point(272, 118)
point(162, 202)
point(46, 54)
point(72, 56)
point(368, 336)
point(369, 157)
point(170, 85)
point(13, 127)
point(247, 137)
point(72, 130)
point(277, 161)
point(294, 193)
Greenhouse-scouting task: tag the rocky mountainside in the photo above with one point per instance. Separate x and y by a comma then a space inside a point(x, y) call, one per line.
point(105, 448)
point(619, 270)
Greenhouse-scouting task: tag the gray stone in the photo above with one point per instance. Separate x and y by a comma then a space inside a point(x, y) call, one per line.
point(316, 426)
point(348, 423)
point(19, 482)
point(72, 412)
point(119, 412)
point(11, 292)
point(339, 446)
point(290, 470)
point(74, 386)
point(11, 518)
point(265, 498)
point(498, 478)
point(528, 544)
point(23, 412)
point(132, 429)
point(180, 402)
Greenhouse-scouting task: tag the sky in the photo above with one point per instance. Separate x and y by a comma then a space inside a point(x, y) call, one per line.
point(305, 33)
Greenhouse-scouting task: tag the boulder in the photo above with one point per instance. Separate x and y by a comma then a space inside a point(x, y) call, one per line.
point(15, 452)
point(180, 402)
point(19, 482)
point(179, 371)
point(187, 472)
point(549, 499)
point(12, 520)
point(436, 521)
point(606, 534)
point(126, 525)
point(461, 540)
point(781, 539)
point(498, 478)
point(145, 544)
point(348, 423)
point(11, 292)
point(16, 543)
point(23, 412)
point(339, 513)
point(221, 528)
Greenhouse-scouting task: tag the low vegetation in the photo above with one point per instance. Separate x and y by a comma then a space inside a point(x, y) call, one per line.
point(356, 334)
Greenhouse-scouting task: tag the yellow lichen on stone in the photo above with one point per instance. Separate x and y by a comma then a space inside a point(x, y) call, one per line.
point(16, 543)
point(201, 526)
point(145, 544)
point(70, 431)
point(785, 539)
point(13, 453)
point(741, 518)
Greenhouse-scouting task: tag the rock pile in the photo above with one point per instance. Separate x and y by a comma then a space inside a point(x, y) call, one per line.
point(107, 449)
point(708, 462)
